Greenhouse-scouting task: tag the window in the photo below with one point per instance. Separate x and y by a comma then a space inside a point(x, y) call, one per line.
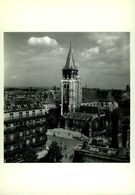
point(20, 115)
point(33, 113)
point(11, 125)
point(11, 115)
point(34, 140)
point(41, 112)
point(11, 148)
point(7, 125)
point(41, 129)
point(41, 138)
point(21, 144)
point(27, 113)
point(11, 137)
point(34, 130)
point(27, 142)
point(21, 134)
point(30, 122)
point(27, 132)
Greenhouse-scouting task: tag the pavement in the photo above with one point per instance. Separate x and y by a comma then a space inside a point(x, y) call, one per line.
point(64, 133)
point(65, 140)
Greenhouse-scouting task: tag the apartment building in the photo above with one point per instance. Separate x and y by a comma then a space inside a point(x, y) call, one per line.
point(24, 125)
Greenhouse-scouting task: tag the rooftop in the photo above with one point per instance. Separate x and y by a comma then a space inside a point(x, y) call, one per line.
point(80, 116)
point(17, 104)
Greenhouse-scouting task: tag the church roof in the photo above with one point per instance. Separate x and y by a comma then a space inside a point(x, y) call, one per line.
point(70, 63)
point(81, 116)
point(90, 95)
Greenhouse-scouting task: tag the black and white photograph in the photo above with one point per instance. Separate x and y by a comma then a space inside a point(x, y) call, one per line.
point(66, 97)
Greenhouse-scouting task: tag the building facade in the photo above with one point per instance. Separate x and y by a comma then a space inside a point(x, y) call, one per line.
point(99, 155)
point(24, 126)
point(71, 90)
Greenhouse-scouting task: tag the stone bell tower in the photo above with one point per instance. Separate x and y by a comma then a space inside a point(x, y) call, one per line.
point(71, 90)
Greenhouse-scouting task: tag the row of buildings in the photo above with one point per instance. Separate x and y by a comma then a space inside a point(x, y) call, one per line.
point(24, 126)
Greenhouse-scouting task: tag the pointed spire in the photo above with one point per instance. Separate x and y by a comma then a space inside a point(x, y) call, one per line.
point(70, 46)
point(70, 64)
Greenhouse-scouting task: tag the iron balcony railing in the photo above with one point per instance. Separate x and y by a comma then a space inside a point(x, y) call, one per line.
point(23, 127)
point(16, 118)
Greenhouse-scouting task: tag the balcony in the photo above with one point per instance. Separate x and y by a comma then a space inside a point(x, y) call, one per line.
point(18, 139)
point(38, 143)
point(24, 117)
point(23, 128)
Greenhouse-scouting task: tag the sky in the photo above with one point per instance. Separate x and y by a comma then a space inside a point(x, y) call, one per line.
point(36, 59)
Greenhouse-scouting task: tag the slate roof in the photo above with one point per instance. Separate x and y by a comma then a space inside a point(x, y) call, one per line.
point(17, 104)
point(93, 95)
point(80, 116)
point(89, 95)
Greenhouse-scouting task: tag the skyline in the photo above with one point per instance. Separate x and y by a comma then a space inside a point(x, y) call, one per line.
point(32, 59)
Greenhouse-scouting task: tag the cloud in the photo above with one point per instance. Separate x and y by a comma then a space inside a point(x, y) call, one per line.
point(103, 59)
point(57, 51)
point(108, 39)
point(14, 77)
point(42, 41)
point(113, 49)
point(89, 52)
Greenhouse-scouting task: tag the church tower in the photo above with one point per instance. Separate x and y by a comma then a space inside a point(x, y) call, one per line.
point(71, 90)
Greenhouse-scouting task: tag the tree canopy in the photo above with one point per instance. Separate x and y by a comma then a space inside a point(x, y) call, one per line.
point(54, 153)
point(29, 155)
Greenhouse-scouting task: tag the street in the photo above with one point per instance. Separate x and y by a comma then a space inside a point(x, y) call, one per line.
point(67, 145)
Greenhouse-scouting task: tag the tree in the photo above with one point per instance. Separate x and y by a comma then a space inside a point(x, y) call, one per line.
point(114, 121)
point(85, 145)
point(125, 127)
point(54, 153)
point(29, 155)
point(85, 129)
point(94, 142)
point(53, 118)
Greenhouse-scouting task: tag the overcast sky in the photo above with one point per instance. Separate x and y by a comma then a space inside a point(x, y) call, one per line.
point(36, 59)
